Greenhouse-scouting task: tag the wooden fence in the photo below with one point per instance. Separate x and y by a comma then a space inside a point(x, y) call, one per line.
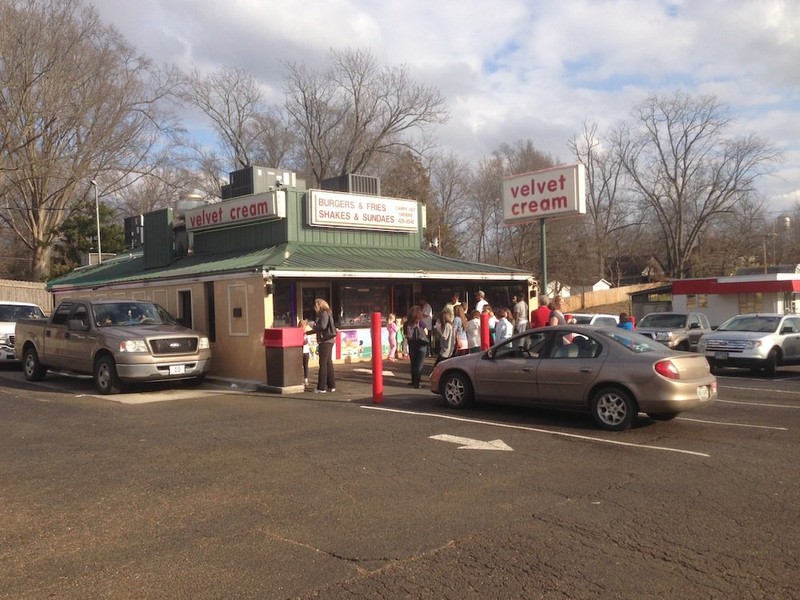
point(26, 291)
point(585, 301)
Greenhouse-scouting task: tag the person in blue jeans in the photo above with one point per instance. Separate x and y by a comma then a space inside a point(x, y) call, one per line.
point(418, 337)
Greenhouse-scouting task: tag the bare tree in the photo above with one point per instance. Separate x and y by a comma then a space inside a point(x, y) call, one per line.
point(77, 104)
point(356, 110)
point(687, 172)
point(449, 219)
point(607, 207)
point(249, 131)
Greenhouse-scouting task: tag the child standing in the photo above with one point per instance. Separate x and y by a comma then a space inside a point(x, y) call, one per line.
point(391, 328)
point(303, 324)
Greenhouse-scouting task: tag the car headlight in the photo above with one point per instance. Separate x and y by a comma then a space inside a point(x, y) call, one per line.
point(750, 344)
point(662, 336)
point(3, 338)
point(203, 344)
point(133, 346)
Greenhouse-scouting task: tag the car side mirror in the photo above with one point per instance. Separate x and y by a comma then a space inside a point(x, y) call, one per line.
point(694, 326)
point(787, 329)
point(78, 325)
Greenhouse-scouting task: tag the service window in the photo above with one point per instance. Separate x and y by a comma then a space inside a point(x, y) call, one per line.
point(359, 301)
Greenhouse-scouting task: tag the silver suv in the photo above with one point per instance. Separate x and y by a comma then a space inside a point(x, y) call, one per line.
point(755, 341)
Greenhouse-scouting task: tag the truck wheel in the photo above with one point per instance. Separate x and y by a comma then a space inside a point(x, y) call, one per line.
point(34, 371)
point(105, 376)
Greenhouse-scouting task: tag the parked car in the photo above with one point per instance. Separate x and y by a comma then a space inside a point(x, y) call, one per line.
point(755, 341)
point(677, 330)
point(609, 372)
point(10, 313)
point(597, 319)
point(116, 341)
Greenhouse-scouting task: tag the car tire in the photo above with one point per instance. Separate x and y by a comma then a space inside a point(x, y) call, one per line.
point(457, 390)
point(667, 416)
point(106, 379)
point(613, 409)
point(33, 369)
point(771, 364)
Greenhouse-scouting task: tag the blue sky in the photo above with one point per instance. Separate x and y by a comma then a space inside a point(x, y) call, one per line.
point(514, 69)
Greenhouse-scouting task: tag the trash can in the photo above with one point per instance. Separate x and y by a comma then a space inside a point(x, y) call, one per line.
point(284, 347)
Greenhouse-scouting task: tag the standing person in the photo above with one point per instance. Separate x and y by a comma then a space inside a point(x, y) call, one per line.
point(325, 329)
point(474, 332)
point(541, 316)
point(519, 311)
point(427, 318)
point(492, 322)
point(402, 344)
point(481, 302)
point(625, 321)
point(447, 337)
point(503, 329)
point(391, 330)
point(460, 324)
point(418, 339)
point(303, 324)
point(454, 301)
point(557, 312)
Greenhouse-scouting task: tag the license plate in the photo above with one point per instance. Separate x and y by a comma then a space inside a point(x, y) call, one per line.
point(703, 393)
point(721, 355)
point(177, 370)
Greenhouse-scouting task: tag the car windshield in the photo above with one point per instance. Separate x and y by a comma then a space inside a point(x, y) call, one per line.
point(583, 319)
point(131, 314)
point(758, 323)
point(663, 320)
point(634, 342)
point(13, 312)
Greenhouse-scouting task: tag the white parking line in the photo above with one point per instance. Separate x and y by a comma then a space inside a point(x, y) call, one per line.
point(757, 404)
point(733, 424)
point(765, 390)
point(523, 428)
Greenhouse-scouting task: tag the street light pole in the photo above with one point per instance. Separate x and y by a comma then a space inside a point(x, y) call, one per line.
point(97, 216)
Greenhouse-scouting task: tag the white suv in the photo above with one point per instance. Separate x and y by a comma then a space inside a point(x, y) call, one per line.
point(756, 341)
point(10, 313)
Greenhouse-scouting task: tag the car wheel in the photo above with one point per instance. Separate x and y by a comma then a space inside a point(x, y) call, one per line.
point(105, 376)
point(34, 371)
point(613, 409)
point(771, 364)
point(663, 416)
point(457, 390)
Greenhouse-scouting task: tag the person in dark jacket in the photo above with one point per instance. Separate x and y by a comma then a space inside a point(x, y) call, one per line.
point(325, 329)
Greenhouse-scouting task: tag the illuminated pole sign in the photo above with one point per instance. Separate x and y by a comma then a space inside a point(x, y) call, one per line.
point(551, 193)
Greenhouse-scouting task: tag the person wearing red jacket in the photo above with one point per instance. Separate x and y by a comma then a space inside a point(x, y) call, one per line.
point(541, 315)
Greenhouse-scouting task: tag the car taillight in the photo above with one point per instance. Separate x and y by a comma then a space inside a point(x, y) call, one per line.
point(667, 369)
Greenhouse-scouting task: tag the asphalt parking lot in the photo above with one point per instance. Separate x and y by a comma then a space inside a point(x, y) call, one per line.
point(224, 491)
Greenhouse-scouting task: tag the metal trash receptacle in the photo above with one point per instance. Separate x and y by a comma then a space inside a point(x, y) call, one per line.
point(284, 348)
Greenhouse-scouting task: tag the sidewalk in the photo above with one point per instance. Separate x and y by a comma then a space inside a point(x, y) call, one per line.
point(353, 382)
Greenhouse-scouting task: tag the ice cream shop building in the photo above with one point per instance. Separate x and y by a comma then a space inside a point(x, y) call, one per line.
point(259, 258)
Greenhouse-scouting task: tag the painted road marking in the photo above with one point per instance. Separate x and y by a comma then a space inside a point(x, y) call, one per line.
point(536, 430)
point(470, 444)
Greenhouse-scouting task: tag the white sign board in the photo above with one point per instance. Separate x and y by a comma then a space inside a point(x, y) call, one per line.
point(354, 211)
point(253, 207)
point(551, 193)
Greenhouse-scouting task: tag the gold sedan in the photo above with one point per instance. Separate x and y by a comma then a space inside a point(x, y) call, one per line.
point(610, 372)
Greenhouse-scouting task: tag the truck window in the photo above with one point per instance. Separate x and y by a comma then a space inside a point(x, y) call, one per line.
point(62, 313)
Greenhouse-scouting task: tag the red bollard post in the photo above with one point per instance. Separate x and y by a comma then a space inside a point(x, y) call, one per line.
point(486, 334)
point(377, 359)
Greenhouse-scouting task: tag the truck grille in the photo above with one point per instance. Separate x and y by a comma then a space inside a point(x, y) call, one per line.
point(182, 345)
point(725, 345)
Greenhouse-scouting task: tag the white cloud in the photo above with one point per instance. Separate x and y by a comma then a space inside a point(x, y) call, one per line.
point(513, 69)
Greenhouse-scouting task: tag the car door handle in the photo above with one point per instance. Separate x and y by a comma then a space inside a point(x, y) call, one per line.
point(526, 369)
point(585, 370)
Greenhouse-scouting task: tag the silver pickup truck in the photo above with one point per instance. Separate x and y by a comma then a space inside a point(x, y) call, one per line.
point(116, 341)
